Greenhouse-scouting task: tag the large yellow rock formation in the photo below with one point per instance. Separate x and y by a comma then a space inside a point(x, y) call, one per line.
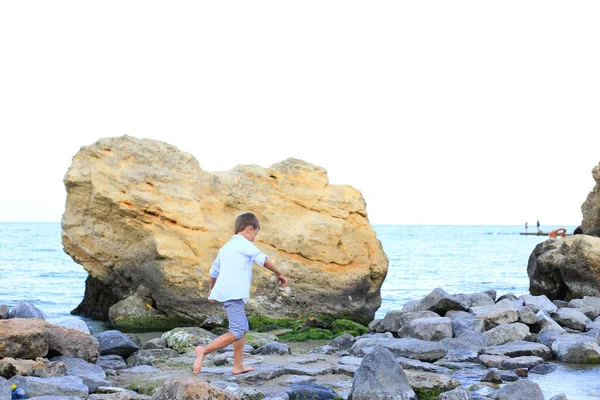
point(146, 222)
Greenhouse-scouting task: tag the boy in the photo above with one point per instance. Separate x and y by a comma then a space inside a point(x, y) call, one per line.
point(233, 268)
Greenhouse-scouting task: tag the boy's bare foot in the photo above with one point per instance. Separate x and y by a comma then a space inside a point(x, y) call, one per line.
point(199, 359)
point(244, 369)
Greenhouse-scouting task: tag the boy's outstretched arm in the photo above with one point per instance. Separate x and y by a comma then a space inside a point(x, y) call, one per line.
point(282, 280)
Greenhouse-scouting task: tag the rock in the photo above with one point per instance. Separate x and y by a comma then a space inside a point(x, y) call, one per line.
point(430, 385)
point(343, 342)
point(470, 340)
point(111, 361)
point(156, 343)
point(264, 372)
point(577, 349)
point(373, 325)
point(380, 377)
point(520, 390)
point(595, 324)
point(521, 362)
point(92, 375)
point(463, 321)
point(395, 319)
point(5, 389)
point(560, 303)
point(350, 360)
point(273, 348)
point(181, 339)
point(185, 388)
point(430, 329)
point(589, 305)
point(61, 386)
point(310, 391)
point(509, 376)
point(543, 369)
point(306, 370)
point(459, 393)
point(23, 338)
point(411, 348)
point(411, 306)
point(526, 316)
point(159, 219)
point(491, 361)
point(408, 363)
point(297, 380)
point(245, 393)
point(150, 357)
point(24, 309)
point(212, 322)
point(521, 372)
point(548, 336)
point(72, 343)
point(258, 339)
point(439, 302)
point(494, 375)
point(545, 321)
point(73, 323)
point(566, 268)
point(325, 349)
point(519, 349)
point(4, 312)
point(561, 396)
point(115, 342)
point(483, 299)
point(140, 369)
point(571, 318)
point(538, 303)
point(508, 296)
point(503, 312)
point(41, 368)
point(505, 333)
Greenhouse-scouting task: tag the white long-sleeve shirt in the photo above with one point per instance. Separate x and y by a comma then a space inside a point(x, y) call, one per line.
point(233, 268)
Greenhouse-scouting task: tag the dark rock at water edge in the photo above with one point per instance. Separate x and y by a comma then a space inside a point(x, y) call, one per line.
point(521, 390)
point(311, 391)
point(24, 309)
point(115, 342)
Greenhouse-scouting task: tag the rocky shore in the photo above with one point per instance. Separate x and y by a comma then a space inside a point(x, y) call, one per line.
point(461, 346)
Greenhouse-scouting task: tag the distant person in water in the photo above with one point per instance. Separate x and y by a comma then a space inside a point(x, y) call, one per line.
point(578, 231)
point(538, 225)
point(230, 279)
point(562, 232)
point(526, 226)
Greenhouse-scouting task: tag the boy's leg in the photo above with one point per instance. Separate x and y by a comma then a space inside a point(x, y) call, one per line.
point(218, 343)
point(238, 353)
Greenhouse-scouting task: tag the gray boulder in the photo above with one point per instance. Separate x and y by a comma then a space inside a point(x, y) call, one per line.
point(545, 321)
point(588, 305)
point(463, 321)
point(273, 348)
point(92, 375)
point(521, 390)
point(521, 362)
point(343, 342)
point(115, 342)
point(156, 343)
point(310, 391)
point(459, 393)
point(374, 325)
point(491, 361)
point(380, 377)
point(73, 323)
point(212, 322)
point(111, 361)
point(561, 396)
point(151, 357)
point(493, 375)
point(543, 369)
point(431, 329)
point(482, 299)
point(592, 325)
point(527, 316)
point(439, 301)
point(505, 333)
point(62, 386)
point(548, 336)
point(181, 339)
point(411, 348)
point(519, 349)
point(577, 349)
point(508, 296)
point(412, 305)
point(395, 319)
point(470, 340)
point(503, 312)
point(24, 309)
point(538, 303)
point(5, 390)
point(571, 318)
point(408, 363)
point(4, 311)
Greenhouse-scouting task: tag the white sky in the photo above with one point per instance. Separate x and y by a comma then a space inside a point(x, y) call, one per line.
point(440, 112)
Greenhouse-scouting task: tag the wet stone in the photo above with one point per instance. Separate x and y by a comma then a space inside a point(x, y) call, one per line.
point(543, 369)
point(526, 362)
point(509, 376)
point(297, 379)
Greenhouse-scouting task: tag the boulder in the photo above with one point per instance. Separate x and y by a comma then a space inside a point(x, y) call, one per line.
point(431, 329)
point(259, 339)
point(430, 385)
point(395, 319)
point(5, 389)
point(571, 318)
point(150, 357)
point(483, 299)
point(538, 303)
point(156, 343)
point(411, 348)
point(41, 367)
point(493, 375)
point(521, 390)
point(543, 369)
point(464, 321)
point(590, 209)
point(142, 217)
point(565, 269)
point(310, 391)
point(73, 323)
point(343, 342)
point(92, 375)
point(60, 386)
point(72, 343)
point(521, 362)
point(491, 361)
point(459, 393)
point(111, 361)
point(408, 363)
point(527, 316)
point(273, 348)
point(505, 333)
point(182, 339)
point(520, 348)
point(439, 301)
point(577, 349)
point(380, 377)
point(503, 312)
point(4, 311)
point(212, 322)
point(24, 309)
point(588, 305)
point(471, 340)
point(545, 321)
point(548, 336)
point(185, 388)
point(115, 342)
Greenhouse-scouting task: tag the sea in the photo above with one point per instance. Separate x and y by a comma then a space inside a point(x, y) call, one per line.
point(458, 259)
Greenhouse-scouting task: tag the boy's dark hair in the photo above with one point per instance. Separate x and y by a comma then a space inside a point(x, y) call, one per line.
point(245, 220)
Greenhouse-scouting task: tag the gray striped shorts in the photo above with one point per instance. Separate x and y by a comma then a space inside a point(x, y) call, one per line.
point(236, 314)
